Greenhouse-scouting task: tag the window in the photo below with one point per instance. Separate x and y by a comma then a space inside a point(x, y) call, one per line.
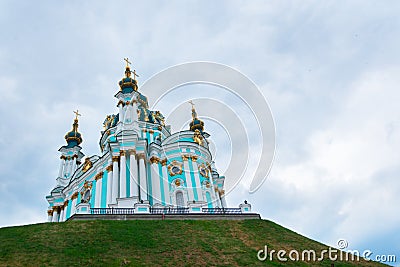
point(179, 199)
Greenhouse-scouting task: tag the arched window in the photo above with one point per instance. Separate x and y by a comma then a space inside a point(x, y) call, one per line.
point(179, 199)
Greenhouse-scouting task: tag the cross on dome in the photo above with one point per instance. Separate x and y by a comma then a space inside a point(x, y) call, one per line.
point(127, 62)
point(77, 114)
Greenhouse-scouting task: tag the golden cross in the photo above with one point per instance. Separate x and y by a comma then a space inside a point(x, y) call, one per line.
point(77, 114)
point(127, 62)
point(135, 75)
point(191, 102)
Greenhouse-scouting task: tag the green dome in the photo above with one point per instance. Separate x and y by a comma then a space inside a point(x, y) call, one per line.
point(73, 138)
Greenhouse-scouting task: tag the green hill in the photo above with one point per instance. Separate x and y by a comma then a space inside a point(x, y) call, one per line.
point(152, 243)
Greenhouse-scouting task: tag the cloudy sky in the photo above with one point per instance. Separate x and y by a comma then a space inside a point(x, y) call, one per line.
point(328, 69)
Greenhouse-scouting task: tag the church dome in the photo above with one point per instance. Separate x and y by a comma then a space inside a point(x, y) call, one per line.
point(196, 123)
point(74, 138)
point(127, 84)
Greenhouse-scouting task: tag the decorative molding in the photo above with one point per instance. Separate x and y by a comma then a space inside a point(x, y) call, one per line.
point(203, 170)
point(175, 168)
point(109, 168)
point(75, 195)
point(154, 159)
point(98, 176)
point(87, 165)
point(140, 156)
point(132, 151)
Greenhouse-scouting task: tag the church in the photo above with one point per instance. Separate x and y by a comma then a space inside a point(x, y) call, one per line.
point(143, 168)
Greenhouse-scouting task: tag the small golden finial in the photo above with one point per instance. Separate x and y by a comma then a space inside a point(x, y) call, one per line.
point(77, 114)
point(194, 114)
point(127, 62)
point(135, 74)
point(191, 103)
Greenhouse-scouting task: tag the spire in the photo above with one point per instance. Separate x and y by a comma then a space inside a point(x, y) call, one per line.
point(127, 84)
point(74, 138)
point(195, 124)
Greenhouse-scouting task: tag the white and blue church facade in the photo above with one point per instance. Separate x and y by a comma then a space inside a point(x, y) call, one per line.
point(143, 166)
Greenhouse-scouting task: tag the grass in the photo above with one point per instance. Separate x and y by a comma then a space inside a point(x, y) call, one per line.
point(153, 243)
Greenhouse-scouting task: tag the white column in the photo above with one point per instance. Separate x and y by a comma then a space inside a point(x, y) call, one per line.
point(68, 167)
point(143, 178)
point(134, 109)
point(134, 183)
point(73, 207)
point(50, 215)
point(60, 172)
point(122, 182)
point(121, 112)
point(65, 211)
point(165, 181)
point(97, 200)
point(73, 165)
point(197, 180)
point(109, 184)
point(217, 199)
point(155, 179)
point(223, 201)
point(115, 186)
point(61, 218)
point(55, 215)
point(188, 178)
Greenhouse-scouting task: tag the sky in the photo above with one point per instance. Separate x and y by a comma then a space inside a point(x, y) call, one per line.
point(328, 69)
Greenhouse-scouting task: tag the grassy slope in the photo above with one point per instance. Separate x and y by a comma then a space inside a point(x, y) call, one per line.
point(136, 243)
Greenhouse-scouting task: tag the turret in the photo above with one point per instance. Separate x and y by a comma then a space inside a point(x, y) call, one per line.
point(71, 154)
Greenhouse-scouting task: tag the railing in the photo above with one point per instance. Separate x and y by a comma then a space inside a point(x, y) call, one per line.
point(182, 210)
point(169, 210)
point(222, 210)
point(112, 211)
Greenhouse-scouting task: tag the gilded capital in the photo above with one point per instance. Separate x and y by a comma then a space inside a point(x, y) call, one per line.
point(75, 195)
point(185, 157)
point(151, 131)
point(109, 168)
point(115, 158)
point(154, 159)
point(98, 176)
point(50, 212)
point(140, 156)
point(164, 162)
point(122, 153)
point(120, 103)
point(194, 158)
